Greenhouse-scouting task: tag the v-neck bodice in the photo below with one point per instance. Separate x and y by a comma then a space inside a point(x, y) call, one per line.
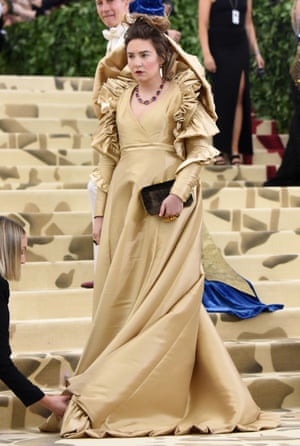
point(153, 127)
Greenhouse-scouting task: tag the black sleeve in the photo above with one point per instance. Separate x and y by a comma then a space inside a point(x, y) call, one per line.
point(9, 374)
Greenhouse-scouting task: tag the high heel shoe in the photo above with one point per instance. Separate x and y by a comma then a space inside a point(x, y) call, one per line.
point(220, 160)
point(235, 160)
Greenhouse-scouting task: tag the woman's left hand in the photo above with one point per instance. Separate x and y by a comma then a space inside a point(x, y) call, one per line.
point(259, 61)
point(174, 34)
point(171, 207)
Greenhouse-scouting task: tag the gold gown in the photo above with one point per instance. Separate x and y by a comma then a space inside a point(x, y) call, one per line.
point(154, 363)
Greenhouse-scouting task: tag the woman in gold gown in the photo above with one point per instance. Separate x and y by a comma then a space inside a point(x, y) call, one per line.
point(153, 363)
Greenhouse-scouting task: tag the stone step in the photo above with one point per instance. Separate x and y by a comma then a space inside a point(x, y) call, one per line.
point(49, 335)
point(265, 356)
point(76, 302)
point(72, 272)
point(217, 174)
point(256, 197)
point(51, 304)
point(16, 417)
point(47, 370)
point(265, 158)
point(59, 248)
point(274, 292)
point(267, 267)
point(15, 136)
point(271, 143)
point(45, 83)
point(36, 157)
point(16, 184)
point(274, 390)
point(48, 97)
point(270, 370)
point(249, 356)
point(252, 219)
point(44, 201)
point(266, 326)
point(28, 125)
point(54, 223)
point(79, 246)
point(57, 275)
point(12, 172)
point(69, 333)
point(43, 141)
point(78, 222)
point(252, 357)
point(43, 186)
point(232, 198)
point(263, 126)
point(43, 175)
point(47, 111)
point(257, 242)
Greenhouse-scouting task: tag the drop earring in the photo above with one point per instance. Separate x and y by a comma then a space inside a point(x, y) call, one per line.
point(161, 71)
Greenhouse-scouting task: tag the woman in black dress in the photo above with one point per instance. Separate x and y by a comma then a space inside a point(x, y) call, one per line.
point(226, 32)
point(13, 243)
point(288, 173)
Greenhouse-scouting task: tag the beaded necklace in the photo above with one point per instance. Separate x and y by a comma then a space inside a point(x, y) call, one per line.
point(153, 98)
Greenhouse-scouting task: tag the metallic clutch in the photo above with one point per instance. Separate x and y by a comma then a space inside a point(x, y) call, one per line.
point(153, 196)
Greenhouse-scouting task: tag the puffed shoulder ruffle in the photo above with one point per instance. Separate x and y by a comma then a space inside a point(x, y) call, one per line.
point(194, 111)
point(105, 138)
point(194, 119)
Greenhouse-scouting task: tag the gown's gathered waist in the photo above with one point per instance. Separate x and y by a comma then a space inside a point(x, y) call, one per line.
point(146, 146)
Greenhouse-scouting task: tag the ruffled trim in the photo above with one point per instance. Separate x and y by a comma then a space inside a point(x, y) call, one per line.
point(79, 426)
point(205, 157)
point(98, 179)
point(106, 139)
point(192, 118)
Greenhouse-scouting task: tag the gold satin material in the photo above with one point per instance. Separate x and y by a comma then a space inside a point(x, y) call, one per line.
point(154, 363)
point(216, 268)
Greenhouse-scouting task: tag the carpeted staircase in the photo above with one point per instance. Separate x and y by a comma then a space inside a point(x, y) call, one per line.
point(45, 161)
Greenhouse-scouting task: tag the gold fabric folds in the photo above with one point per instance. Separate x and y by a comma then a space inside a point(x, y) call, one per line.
point(154, 363)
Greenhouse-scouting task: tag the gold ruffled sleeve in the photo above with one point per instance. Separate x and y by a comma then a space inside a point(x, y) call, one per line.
point(105, 139)
point(195, 126)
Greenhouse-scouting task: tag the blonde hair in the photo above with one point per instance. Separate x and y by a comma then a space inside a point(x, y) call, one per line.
point(11, 234)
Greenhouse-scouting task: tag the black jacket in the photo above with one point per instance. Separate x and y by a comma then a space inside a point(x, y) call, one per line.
point(9, 374)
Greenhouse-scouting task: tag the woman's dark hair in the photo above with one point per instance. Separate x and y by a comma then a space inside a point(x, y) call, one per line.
point(152, 28)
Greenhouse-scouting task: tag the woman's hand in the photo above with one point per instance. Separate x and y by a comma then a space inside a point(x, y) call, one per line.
point(56, 403)
point(171, 207)
point(97, 228)
point(259, 61)
point(209, 63)
point(174, 34)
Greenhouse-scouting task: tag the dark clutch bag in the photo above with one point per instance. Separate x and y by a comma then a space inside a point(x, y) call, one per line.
point(153, 196)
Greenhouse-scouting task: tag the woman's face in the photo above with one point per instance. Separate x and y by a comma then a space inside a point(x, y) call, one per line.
point(143, 60)
point(23, 248)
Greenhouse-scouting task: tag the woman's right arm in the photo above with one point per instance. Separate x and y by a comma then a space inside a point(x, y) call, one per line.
point(101, 176)
point(21, 386)
point(97, 229)
point(204, 7)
